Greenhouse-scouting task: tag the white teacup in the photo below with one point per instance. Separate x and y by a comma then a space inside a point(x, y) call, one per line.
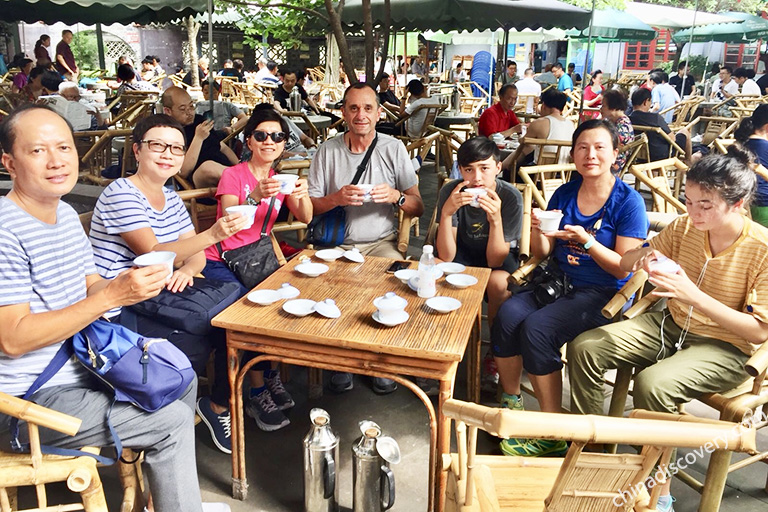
point(390, 306)
point(287, 182)
point(550, 220)
point(477, 193)
point(156, 258)
point(246, 210)
point(366, 188)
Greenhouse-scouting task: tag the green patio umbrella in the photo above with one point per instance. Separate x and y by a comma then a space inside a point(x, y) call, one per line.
point(745, 27)
point(90, 12)
point(612, 25)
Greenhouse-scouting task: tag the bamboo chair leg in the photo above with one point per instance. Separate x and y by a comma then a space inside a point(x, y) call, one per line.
point(130, 479)
point(714, 483)
point(315, 383)
point(619, 398)
point(88, 484)
point(8, 499)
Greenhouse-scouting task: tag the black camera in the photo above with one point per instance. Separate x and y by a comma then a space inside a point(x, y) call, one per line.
point(550, 286)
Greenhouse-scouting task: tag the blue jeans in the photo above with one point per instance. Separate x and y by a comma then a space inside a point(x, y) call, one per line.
point(220, 271)
point(522, 328)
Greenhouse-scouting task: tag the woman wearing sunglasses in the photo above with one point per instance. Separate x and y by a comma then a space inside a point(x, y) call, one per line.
point(252, 182)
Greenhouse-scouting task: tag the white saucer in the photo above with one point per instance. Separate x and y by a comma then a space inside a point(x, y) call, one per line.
point(405, 274)
point(461, 280)
point(328, 308)
point(450, 267)
point(311, 269)
point(402, 317)
point(443, 304)
point(413, 283)
point(263, 297)
point(354, 255)
point(329, 254)
point(287, 291)
point(299, 307)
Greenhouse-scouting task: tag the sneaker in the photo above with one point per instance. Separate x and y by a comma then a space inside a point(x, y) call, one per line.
point(341, 382)
point(533, 447)
point(429, 386)
point(220, 425)
point(280, 396)
point(489, 381)
point(514, 402)
point(383, 386)
point(665, 503)
point(263, 409)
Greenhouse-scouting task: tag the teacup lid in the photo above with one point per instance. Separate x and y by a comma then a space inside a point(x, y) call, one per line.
point(328, 308)
point(287, 291)
point(390, 300)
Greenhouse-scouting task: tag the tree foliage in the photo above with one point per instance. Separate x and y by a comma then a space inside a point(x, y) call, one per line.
point(714, 6)
point(85, 50)
point(287, 20)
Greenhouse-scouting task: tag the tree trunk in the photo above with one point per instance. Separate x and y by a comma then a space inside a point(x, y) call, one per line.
point(192, 29)
point(384, 44)
point(331, 60)
point(368, 31)
point(337, 30)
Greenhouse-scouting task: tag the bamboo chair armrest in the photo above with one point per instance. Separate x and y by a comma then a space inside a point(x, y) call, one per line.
point(762, 172)
point(641, 306)
point(758, 363)
point(404, 233)
point(624, 295)
point(39, 415)
point(196, 193)
point(672, 107)
point(517, 277)
point(232, 135)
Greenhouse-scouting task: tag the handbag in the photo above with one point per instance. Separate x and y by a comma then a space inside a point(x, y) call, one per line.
point(190, 310)
point(150, 373)
point(256, 261)
point(329, 228)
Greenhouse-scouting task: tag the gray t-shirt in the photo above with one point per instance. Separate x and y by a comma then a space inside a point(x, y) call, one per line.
point(472, 223)
point(335, 165)
point(223, 112)
point(44, 265)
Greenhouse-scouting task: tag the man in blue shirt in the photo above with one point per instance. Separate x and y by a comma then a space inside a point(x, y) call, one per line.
point(564, 82)
point(663, 95)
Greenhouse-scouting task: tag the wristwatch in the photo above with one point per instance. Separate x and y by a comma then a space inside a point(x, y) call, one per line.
point(400, 200)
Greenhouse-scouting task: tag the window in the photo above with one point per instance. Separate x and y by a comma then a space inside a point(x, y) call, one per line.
point(742, 55)
point(651, 54)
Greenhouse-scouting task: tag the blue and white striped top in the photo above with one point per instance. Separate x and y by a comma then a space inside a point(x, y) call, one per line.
point(44, 265)
point(123, 208)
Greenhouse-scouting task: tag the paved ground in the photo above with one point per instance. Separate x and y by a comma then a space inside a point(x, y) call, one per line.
point(274, 460)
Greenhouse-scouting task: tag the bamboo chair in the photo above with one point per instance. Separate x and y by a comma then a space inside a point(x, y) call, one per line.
point(36, 469)
point(548, 177)
point(99, 156)
point(683, 112)
point(580, 482)
point(716, 127)
point(675, 151)
point(633, 150)
point(549, 152)
point(312, 131)
point(432, 111)
point(721, 145)
point(656, 176)
point(743, 402)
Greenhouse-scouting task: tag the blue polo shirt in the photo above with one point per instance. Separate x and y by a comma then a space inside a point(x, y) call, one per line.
point(565, 83)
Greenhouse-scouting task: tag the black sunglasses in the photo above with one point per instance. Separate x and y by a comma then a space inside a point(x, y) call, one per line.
point(261, 136)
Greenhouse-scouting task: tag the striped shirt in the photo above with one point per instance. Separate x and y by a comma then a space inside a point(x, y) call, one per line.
point(737, 276)
point(123, 208)
point(43, 265)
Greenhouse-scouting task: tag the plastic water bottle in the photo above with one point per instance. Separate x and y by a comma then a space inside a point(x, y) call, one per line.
point(427, 273)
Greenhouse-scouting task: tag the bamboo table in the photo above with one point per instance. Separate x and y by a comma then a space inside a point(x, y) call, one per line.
point(428, 345)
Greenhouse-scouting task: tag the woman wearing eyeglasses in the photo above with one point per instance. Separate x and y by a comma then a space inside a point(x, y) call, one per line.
point(138, 214)
point(252, 182)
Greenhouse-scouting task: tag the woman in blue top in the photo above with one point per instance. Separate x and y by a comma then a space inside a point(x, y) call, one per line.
point(602, 219)
point(752, 133)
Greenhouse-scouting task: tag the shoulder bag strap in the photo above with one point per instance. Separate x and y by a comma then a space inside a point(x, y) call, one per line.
point(364, 163)
point(263, 227)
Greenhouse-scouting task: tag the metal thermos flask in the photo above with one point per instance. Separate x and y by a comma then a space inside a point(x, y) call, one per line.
point(456, 100)
point(372, 480)
point(295, 98)
point(321, 455)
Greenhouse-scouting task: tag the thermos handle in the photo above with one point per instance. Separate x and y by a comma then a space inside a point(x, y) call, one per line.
point(388, 490)
point(329, 477)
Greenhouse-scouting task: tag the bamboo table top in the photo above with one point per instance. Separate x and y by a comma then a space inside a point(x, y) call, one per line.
point(426, 335)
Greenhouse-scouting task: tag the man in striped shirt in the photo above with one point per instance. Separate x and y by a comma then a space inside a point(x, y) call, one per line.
point(50, 290)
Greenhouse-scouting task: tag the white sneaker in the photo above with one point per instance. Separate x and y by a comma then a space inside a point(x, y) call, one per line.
point(216, 507)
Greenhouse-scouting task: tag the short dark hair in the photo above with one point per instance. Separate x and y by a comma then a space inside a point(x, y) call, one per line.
point(227, 61)
point(554, 99)
point(640, 96)
point(205, 83)
point(360, 85)
point(65, 32)
point(51, 80)
point(740, 73)
point(595, 124)
point(415, 87)
point(147, 61)
point(571, 65)
point(8, 126)
point(271, 65)
point(238, 64)
point(384, 76)
point(728, 175)
point(615, 99)
point(729, 69)
point(125, 72)
point(22, 63)
point(504, 88)
point(262, 113)
point(459, 65)
point(37, 71)
point(657, 78)
point(154, 121)
point(681, 65)
point(511, 63)
point(477, 149)
point(557, 65)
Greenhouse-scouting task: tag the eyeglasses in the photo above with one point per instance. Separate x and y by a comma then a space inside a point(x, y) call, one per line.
point(159, 147)
point(261, 136)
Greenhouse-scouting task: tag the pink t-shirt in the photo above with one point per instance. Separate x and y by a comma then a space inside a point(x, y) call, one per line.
point(239, 181)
